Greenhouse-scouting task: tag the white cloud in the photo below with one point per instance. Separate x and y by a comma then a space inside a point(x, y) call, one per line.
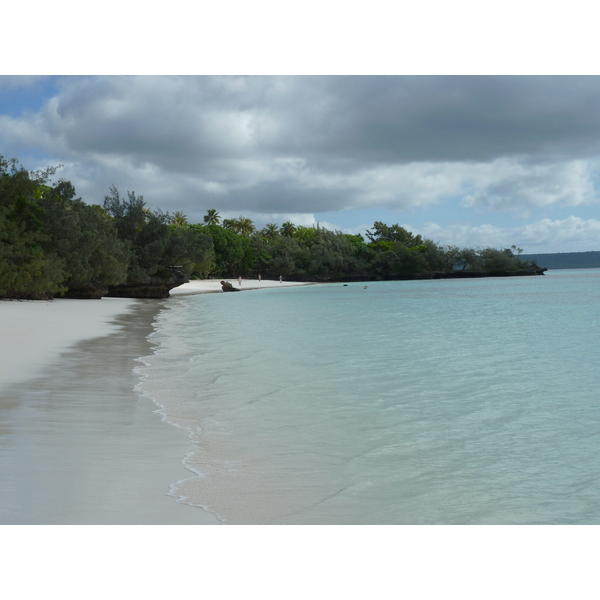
point(300, 219)
point(24, 133)
point(279, 149)
point(514, 185)
point(572, 234)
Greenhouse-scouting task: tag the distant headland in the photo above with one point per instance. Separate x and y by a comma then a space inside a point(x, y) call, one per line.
point(566, 260)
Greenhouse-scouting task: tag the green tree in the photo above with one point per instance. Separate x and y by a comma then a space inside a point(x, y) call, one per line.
point(305, 236)
point(262, 255)
point(411, 260)
point(191, 248)
point(270, 231)
point(212, 217)
point(179, 219)
point(468, 259)
point(498, 261)
point(287, 258)
point(28, 266)
point(449, 256)
point(288, 229)
point(245, 226)
point(231, 224)
point(153, 245)
point(85, 237)
point(233, 253)
point(394, 233)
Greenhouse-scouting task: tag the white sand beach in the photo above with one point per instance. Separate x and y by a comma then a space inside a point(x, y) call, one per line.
point(78, 444)
point(203, 286)
point(36, 332)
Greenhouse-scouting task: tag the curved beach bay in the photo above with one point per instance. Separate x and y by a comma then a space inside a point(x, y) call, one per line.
point(79, 442)
point(406, 402)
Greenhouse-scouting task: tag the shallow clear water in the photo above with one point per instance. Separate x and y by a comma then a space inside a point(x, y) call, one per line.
point(472, 401)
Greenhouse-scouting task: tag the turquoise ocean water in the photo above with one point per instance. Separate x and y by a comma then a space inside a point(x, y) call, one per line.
point(409, 402)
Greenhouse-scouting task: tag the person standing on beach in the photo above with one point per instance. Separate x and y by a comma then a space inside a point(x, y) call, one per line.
point(280, 278)
point(240, 280)
point(259, 277)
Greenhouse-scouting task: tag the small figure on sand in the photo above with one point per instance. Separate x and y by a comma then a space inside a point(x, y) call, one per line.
point(239, 280)
point(280, 278)
point(259, 277)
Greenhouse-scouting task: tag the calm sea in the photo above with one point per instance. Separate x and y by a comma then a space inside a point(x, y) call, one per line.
point(408, 402)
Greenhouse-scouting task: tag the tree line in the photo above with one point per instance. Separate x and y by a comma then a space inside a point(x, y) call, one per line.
point(54, 244)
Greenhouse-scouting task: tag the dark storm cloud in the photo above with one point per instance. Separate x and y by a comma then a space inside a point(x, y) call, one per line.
point(189, 122)
point(271, 196)
point(304, 144)
point(405, 119)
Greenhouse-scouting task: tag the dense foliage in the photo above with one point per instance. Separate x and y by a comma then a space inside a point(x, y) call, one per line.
point(52, 244)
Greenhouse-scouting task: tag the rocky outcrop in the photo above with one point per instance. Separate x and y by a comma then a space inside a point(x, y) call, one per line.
point(456, 274)
point(85, 291)
point(140, 290)
point(465, 274)
point(227, 287)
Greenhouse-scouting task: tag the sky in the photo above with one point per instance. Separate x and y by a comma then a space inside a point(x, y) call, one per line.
point(463, 160)
point(470, 136)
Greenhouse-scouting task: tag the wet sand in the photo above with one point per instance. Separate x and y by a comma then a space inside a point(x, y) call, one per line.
point(78, 445)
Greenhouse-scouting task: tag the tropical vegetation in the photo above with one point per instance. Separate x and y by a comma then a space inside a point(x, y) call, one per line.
point(54, 244)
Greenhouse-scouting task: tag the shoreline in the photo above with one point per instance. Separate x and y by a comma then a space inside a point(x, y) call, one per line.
point(36, 332)
point(80, 446)
point(79, 443)
point(208, 286)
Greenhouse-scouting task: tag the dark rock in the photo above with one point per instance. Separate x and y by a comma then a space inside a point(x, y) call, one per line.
point(455, 274)
point(227, 287)
point(139, 290)
point(84, 291)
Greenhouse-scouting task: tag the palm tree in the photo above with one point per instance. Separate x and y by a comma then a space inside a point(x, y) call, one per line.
point(212, 217)
point(179, 219)
point(231, 224)
point(147, 214)
point(288, 229)
point(270, 231)
point(245, 225)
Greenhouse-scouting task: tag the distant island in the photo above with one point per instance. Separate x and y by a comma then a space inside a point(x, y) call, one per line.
point(53, 244)
point(566, 260)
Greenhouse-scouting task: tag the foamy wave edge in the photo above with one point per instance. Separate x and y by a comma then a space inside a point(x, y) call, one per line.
point(161, 410)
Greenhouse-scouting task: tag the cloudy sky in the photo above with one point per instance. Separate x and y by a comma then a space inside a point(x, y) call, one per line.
point(465, 160)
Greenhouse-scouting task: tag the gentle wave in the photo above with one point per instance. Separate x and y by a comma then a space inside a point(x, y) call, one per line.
point(409, 402)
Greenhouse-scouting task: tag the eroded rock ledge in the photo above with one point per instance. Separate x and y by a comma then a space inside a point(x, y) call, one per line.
point(457, 274)
point(227, 287)
point(155, 288)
